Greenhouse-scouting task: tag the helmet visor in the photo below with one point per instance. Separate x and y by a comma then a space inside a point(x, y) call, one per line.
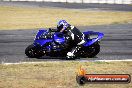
point(60, 27)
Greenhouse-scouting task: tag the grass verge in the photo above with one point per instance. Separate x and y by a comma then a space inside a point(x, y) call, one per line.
point(28, 18)
point(59, 74)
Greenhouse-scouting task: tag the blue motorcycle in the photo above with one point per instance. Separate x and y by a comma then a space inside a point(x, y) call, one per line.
point(47, 43)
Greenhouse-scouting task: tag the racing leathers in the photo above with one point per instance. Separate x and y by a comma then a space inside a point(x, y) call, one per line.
point(77, 37)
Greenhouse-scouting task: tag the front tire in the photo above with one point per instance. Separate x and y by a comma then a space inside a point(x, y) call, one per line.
point(32, 52)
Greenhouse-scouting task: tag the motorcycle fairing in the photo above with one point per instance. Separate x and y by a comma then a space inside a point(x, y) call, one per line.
point(59, 38)
point(92, 40)
point(41, 41)
point(40, 32)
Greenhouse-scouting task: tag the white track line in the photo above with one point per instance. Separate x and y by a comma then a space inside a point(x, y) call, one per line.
point(66, 61)
point(113, 60)
point(23, 63)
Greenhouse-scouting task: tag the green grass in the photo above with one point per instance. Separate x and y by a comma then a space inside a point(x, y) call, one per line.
point(30, 18)
point(59, 74)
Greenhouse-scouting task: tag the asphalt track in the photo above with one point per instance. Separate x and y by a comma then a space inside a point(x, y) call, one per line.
point(116, 45)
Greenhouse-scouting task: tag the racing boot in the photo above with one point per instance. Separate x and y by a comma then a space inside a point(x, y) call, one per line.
point(74, 52)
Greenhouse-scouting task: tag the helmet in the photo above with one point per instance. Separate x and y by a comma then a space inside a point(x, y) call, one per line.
point(62, 24)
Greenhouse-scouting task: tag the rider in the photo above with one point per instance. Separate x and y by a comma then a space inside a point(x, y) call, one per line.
point(73, 33)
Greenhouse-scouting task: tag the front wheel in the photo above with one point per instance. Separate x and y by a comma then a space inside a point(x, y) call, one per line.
point(32, 52)
point(92, 51)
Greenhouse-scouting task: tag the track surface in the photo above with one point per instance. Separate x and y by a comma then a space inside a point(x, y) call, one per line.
point(117, 43)
point(88, 6)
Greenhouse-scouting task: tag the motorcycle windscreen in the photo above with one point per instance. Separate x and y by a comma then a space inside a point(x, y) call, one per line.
point(92, 38)
point(59, 38)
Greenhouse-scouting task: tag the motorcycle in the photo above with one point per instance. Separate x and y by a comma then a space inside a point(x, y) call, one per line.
point(47, 43)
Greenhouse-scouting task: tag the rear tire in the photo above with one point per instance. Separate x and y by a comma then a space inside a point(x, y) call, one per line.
point(92, 51)
point(32, 52)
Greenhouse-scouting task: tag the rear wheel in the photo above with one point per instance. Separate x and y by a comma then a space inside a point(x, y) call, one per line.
point(32, 52)
point(92, 51)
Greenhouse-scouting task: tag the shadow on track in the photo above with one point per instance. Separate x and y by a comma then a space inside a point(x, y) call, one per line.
point(48, 58)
